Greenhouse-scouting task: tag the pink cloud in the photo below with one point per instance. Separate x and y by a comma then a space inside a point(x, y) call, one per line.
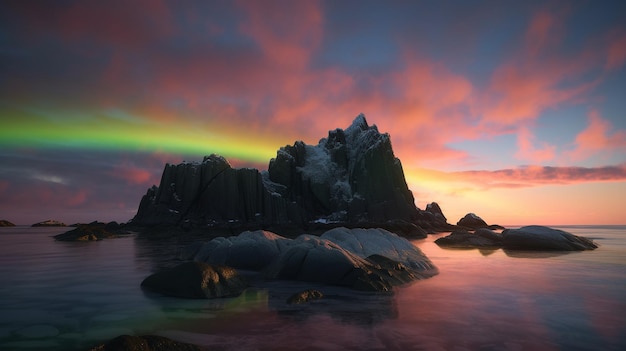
point(78, 198)
point(528, 151)
point(616, 53)
point(537, 76)
point(530, 176)
point(597, 138)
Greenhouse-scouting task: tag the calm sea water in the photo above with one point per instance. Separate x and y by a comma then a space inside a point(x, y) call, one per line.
point(71, 296)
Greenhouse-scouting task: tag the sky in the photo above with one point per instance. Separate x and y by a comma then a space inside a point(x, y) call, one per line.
point(513, 110)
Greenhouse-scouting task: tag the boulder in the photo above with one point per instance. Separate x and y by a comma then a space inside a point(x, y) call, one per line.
point(249, 250)
point(196, 280)
point(462, 239)
point(349, 178)
point(536, 237)
point(304, 296)
point(472, 221)
point(5, 223)
point(145, 343)
point(49, 223)
point(340, 256)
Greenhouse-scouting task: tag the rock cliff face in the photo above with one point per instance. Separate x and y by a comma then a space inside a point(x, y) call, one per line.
point(351, 178)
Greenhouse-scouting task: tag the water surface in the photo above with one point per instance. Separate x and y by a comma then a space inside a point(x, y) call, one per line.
point(71, 296)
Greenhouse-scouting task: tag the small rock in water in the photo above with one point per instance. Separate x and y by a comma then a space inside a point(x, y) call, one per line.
point(536, 237)
point(305, 296)
point(196, 280)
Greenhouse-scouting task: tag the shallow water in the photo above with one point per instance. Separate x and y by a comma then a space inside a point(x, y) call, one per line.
point(71, 296)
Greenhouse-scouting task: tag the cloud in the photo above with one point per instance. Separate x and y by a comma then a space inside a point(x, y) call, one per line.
point(529, 152)
point(598, 138)
point(531, 176)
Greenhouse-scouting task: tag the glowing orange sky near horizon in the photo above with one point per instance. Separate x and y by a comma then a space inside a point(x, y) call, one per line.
point(514, 114)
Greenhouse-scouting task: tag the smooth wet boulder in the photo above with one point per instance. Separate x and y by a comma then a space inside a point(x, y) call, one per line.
point(196, 280)
point(318, 259)
point(145, 343)
point(472, 221)
point(340, 256)
point(462, 239)
point(536, 237)
point(248, 250)
point(5, 223)
point(376, 241)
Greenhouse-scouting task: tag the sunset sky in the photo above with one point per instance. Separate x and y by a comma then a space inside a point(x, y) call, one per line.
point(513, 110)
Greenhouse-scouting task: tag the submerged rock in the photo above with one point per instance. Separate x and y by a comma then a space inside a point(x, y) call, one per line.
point(537, 237)
point(196, 280)
point(304, 296)
point(145, 343)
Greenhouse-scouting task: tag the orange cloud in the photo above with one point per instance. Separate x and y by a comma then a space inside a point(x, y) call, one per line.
point(597, 138)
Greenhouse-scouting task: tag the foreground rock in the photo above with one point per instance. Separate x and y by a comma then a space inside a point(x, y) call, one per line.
point(5, 223)
point(49, 223)
point(92, 232)
point(196, 280)
point(362, 259)
point(145, 343)
point(537, 237)
point(351, 178)
point(526, 238)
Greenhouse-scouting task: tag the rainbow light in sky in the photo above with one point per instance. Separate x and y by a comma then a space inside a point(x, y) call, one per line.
point(116, 130)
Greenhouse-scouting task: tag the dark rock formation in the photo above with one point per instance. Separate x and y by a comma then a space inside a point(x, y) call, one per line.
point(196, 280)
point(525, 238)
point(5, 223)
point(472, 221)
point(363, 259)
point(537, 237)
point(462, 239)
point(434, 208)
point(304, 296)
point(145, 343)
point(351, 178)
point(49, 223)
point(92, 232)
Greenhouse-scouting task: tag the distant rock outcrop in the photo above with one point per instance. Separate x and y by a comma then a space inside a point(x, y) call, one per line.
point(5, 223)
point(351, 178)
point(92, 232)
point(472, 221)
point(362, 259)
point(525, 238)
point(536, 237)
point(49, 223)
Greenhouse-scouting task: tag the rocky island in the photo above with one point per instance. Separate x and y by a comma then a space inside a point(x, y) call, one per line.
point(349, 179)
point(5, 223)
